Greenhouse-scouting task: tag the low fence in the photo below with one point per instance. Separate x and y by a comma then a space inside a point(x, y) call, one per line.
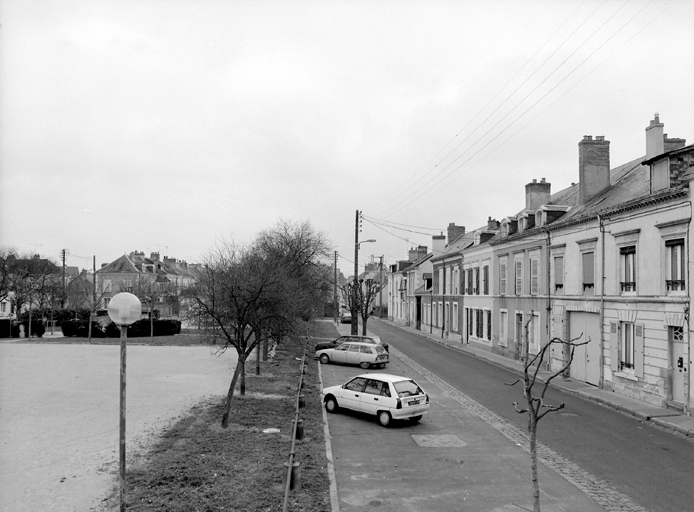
point(292, 471)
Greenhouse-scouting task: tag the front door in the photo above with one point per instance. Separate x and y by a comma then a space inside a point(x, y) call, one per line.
point(676, 335)
point(586, 362)
point(350, 397)
point(340, 353)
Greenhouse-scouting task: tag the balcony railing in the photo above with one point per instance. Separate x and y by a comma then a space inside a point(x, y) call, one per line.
point(675, 285)
point(628, 286)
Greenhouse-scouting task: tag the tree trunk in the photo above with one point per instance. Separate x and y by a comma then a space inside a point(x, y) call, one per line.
point(230, 394)
point(90, 327)
point(257, 356)
point(532, 431)
point(242, 364)
point(151, 326)
point(363, 326)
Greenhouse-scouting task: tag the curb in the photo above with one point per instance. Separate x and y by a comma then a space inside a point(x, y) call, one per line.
point(334, 501)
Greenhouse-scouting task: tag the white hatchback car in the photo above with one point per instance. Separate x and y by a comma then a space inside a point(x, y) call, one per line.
point(363, 354)
point(388, 397)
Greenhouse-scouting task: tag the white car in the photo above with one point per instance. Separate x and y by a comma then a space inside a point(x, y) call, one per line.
point(388, 397)
point(363, 354)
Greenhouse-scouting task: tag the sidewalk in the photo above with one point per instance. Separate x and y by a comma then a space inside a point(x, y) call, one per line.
point(666, 418)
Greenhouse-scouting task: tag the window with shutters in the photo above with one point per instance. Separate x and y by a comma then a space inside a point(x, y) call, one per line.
point(477, 281)
point(558, 273)
point(675, 265)
point(502, 278)
point(519, 277)
point(626, 359)
point(456, 281)
point(469, 281)
point(534, 276)
point(485, 279)
point(468, 315)
point(588, 271)
point(627, 257)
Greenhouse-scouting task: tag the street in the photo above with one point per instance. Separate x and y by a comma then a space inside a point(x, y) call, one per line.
point(651, 466)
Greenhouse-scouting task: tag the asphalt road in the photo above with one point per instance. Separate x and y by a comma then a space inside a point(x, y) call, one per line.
point(652, 466)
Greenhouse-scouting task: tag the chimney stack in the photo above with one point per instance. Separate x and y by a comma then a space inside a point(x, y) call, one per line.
point(537, 194)
point(493, 224)
point(438, 244)
point(454, 231)
point(655, 144)
point(593, 166)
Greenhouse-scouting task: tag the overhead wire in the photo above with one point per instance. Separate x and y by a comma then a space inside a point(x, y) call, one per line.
point(507, 98)
point(433, 187)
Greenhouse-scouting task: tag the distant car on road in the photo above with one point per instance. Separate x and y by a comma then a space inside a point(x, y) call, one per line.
point(388, 397)
point(354, 338)
point(346, 318)
point(363, 354)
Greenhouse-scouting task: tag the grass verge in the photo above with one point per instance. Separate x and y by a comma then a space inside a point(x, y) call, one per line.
point(199, 466)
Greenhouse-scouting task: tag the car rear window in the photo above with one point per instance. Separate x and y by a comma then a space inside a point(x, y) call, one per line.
point(407, 388)
point(365, 350)
point(380, 349)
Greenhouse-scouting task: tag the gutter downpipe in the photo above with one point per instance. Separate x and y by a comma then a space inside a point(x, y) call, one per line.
point(549, 291)
point(688, 358)
point(601, 382)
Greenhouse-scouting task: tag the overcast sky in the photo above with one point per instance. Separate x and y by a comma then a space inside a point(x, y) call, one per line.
point(170, 125)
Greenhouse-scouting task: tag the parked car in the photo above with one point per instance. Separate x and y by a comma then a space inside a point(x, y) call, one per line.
point(346, 318)
point(360, 339)
point(363, 354)
point(388, 397)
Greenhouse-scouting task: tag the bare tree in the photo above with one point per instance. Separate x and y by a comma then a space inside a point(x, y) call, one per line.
point(536, 408)
point(360, 299)
point(244, 293)
point(85, 293)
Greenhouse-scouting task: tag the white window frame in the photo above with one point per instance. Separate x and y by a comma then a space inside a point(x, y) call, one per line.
point(503, 276)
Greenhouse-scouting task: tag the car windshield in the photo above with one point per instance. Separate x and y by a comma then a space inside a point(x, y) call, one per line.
point(380, 349)
point(407, 388)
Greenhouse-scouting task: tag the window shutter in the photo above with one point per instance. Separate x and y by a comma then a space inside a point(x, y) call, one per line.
point(588, 268)
point(502, 279)
point(614, 346)
point(519, 277)
point(534, 271)
point(638, 350)
point(558, 271)
point(489, 324)
point(486, 279)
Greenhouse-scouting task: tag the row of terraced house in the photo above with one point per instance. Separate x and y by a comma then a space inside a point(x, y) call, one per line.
point(606, 259)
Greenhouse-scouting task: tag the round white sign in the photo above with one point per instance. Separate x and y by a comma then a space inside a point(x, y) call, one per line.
point(124, 309)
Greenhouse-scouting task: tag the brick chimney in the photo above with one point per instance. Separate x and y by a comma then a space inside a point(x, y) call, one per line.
point(593, 166)
point(655, 144)
point(454, 231)
point(537, 194)
point(154, 256)
point(438, 244)
point(672, 144)
point(416, 253)
point(493, 224)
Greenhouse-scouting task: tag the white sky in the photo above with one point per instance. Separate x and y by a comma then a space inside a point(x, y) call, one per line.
point(169, 125)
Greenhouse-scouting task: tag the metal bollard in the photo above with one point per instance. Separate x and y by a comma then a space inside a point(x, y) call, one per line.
point(302, 401)
point(295, 481)
point(299, 429)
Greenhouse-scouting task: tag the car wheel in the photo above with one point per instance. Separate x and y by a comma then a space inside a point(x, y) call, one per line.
point(331, 404)
point(415, 419)
point(324, 358)
point(365, 365)
point(384, 418)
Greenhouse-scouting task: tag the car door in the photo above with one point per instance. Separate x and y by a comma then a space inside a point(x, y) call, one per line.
point(353, 354)
point(375, 393)
point(340, 353)
point(350, 394)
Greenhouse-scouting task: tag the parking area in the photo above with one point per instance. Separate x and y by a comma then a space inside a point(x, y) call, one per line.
point(59, 415)
point(452, 460)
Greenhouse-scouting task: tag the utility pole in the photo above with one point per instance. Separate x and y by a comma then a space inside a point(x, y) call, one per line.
point(335, 307)
point(354, 326)
point(380, 293)
point(63, 254)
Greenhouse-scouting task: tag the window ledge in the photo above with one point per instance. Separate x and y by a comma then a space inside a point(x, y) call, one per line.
point(628, 376)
